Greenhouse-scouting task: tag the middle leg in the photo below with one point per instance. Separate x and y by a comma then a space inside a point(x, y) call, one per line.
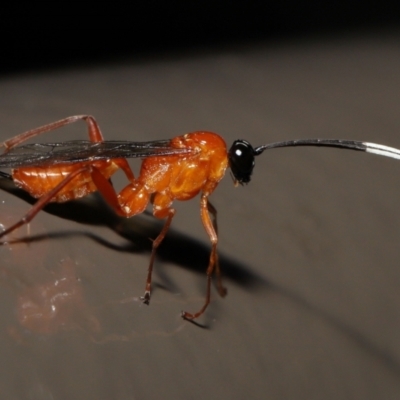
point(156, 242)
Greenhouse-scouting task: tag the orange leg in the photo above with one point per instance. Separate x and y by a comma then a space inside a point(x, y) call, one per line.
point(102, 184)
point(156, 243)
point(43, 201)
point(209, 227)
point(162, 210)
point(221, 289)
point(124, 165)
point(95, 134)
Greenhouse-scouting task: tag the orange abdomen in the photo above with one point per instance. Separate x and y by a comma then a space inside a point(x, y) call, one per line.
point(38, 181)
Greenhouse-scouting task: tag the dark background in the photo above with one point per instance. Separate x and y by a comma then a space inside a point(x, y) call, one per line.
point(45, 37)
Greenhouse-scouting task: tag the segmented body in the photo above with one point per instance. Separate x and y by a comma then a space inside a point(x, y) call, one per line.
point(178, 169)
point(179, 177)
point(168, 178)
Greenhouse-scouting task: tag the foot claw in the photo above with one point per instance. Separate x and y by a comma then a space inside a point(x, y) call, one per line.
point(187, 316)
point(222, 291)
point(146, 298)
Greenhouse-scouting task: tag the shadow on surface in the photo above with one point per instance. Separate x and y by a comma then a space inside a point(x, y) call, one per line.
point(176, 248)
point(179, 249)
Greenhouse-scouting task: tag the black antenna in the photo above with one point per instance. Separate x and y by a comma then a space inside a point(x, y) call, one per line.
point(241, 154)
point(344, 144)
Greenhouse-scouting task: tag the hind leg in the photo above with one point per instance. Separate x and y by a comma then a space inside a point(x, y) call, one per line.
point(43, 201)
point(94, 132)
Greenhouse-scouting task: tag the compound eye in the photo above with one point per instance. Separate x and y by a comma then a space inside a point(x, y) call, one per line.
point(241, 160)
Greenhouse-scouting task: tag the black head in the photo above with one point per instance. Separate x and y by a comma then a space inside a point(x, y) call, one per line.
point(241, 160)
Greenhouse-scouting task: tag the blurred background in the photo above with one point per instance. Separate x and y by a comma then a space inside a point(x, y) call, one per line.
point(309, 249)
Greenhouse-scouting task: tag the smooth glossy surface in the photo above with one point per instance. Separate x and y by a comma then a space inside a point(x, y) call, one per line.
point(309, 249)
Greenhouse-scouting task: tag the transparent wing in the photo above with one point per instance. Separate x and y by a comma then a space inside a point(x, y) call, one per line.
point(41, 154)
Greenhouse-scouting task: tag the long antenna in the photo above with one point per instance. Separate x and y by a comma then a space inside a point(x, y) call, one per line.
point(241, 154)
point(345, 144)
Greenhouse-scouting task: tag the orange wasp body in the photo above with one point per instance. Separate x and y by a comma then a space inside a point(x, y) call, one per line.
point(176, 169)
point(194, 163)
